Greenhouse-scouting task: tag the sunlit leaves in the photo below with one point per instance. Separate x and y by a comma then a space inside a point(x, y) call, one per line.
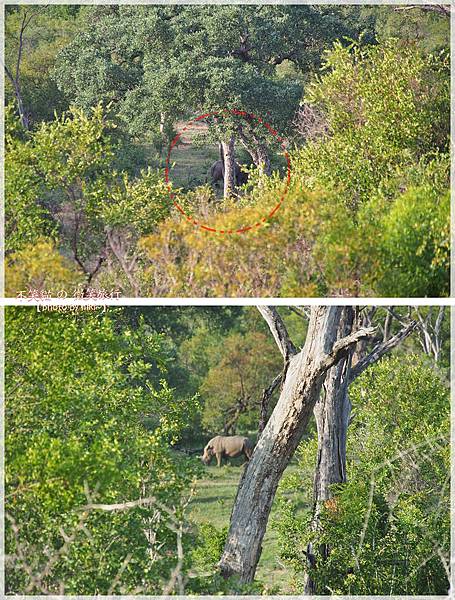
point(78, 398)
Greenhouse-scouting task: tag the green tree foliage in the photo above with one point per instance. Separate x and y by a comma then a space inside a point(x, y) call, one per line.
point(385, 107)
point(26, 217)
point(91, 409)
point(379, 172)
point(232, 386)
point(156, 63)
point(63, 177)
point(78, 393)
point(415, 244)
point(387, 528)
point(48, 29)
point(429, 30)
point(40, 268)
point(367, 209)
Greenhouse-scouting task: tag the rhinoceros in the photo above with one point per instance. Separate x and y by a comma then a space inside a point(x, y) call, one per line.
point(229, 446)
point(217, 173)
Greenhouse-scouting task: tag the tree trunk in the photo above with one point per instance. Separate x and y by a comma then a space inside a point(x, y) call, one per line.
point(332, 412)
point(263, 160)
point(24, 116)
point(229, 167)
point(258, 152)
point(265, 401)
point(283, 432)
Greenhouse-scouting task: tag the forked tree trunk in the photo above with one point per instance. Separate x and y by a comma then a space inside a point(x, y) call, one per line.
point(229, 167)
point(257, 149)
point(300, 391)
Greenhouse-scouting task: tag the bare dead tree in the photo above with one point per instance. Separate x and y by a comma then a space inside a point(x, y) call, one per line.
point(282, 433)
point(429, 327)
point(310, 123)
point(430, 331)
point(121, 249)
point(302, 383)
point(14, 75)
point(333, 416)
point(440, 9)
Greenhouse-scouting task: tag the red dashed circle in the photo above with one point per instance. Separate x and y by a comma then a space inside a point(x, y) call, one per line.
point(264, 219)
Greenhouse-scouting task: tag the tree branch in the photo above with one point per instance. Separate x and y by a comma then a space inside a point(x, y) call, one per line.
point(380, 349)
point(300, 311)
point(341, 347)
point(10, 76)
point(120, 254)
point(279, 331)
point(440, 9)
point(265, 400)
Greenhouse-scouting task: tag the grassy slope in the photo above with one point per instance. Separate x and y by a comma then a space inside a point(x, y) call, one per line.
point(213, 503)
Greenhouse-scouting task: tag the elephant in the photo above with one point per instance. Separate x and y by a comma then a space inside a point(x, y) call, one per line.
point(229, 446)
point(217, 173)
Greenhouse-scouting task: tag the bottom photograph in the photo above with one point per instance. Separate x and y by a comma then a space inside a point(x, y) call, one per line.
point(210, 450)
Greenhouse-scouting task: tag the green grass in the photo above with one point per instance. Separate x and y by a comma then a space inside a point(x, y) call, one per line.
point(191, 164)
point(213, 504)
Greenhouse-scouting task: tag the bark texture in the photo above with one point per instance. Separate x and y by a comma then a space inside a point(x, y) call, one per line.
point(229, 167)
point(299, 393)
point(258, 151)
point(333, 414)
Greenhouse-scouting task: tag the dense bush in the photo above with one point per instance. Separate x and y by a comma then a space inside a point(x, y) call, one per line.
point(387, 528)
point(385, 107)
point(62, 182)
point(78, 393)
point(367, 210)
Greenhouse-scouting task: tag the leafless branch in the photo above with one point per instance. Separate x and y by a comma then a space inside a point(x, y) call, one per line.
point(441, 9)
point(380, 349)
point(265, 400)
point(118, 576)
point(128, 266)
point(342, 347)
point(301, 311)
point(176, 575)
point(279, 331)
point(430, 337)
point(310, 123)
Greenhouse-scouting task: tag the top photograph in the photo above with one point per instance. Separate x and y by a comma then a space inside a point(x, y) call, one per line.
point(227, 151)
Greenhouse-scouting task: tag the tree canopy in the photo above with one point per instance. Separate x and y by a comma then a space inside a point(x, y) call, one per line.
point(356, 97)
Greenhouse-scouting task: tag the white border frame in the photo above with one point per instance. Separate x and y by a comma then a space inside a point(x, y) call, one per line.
point(224, 301)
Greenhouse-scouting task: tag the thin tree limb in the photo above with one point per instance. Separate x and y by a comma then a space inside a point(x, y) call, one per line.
point(279, 331)
point(380, 349)
point(341, 347)
point(440, 9)
point(265, 400)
